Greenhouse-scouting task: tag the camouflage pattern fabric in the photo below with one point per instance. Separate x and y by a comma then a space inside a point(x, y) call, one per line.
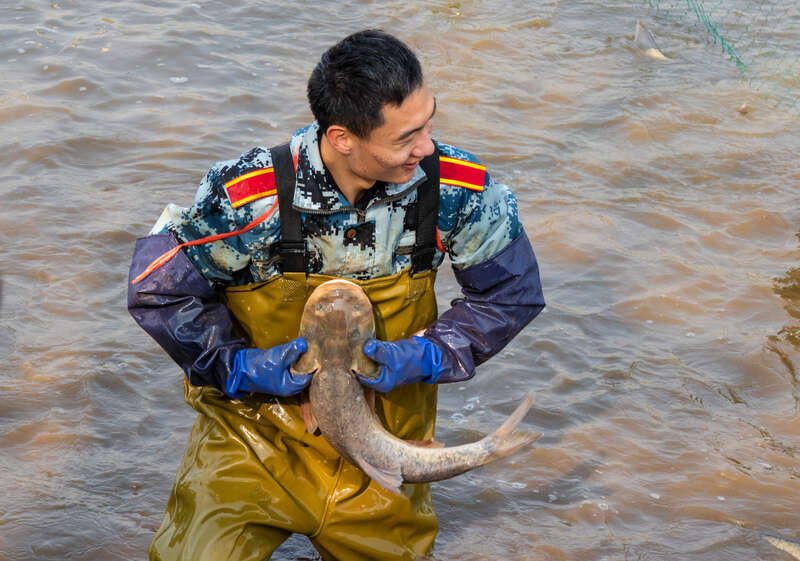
point(372, 239)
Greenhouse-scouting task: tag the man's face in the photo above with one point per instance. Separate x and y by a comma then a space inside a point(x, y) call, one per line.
point(392, 151)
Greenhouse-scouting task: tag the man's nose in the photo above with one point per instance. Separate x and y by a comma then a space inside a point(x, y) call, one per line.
point(424, 147)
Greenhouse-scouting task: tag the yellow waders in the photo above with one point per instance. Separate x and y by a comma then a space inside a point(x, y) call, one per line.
point(252, 475)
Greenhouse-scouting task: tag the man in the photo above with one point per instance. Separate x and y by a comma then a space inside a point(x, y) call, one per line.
point(363, 193)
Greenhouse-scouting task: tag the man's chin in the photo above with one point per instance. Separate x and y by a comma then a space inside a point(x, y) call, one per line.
point(405, 174)
point(399, 175)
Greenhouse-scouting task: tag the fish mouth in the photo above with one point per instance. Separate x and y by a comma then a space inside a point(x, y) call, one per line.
point(370, 375)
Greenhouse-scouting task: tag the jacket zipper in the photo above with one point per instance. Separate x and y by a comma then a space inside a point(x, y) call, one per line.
point(362, 213)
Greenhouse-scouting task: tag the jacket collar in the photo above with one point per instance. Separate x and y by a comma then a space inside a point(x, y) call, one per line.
point(317, 192)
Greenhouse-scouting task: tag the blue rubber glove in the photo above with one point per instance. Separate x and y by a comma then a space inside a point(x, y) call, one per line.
point(267, 370)
point(403, 362)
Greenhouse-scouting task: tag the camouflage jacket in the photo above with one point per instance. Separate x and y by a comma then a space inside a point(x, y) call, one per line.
point(476, 221)
point(478, 227)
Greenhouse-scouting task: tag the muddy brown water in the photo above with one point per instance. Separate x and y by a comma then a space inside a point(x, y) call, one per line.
point(666, 223)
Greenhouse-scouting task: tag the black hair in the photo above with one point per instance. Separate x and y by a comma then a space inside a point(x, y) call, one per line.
point(355, 78)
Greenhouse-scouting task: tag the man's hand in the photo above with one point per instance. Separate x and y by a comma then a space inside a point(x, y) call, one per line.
point(403, 362)
point(267, 370)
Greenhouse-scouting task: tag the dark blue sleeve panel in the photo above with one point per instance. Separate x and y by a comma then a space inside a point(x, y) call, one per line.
point(501, 296)
point(180, 310)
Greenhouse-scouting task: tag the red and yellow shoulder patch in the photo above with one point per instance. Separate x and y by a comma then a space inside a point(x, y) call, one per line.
point(461, 173)
point(251, 186)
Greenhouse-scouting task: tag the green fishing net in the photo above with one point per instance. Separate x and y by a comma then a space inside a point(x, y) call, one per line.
point(762, 37)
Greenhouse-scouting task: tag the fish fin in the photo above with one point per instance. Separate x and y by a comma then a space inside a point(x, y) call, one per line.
point(309, 418)
point(369, 395)
point(389, 479)
point(505, 440)
point(430, 443)
point(514, 442)
point(514, 419)
point(656, 54)
point(647, 43)
point(791, 547)
point(307, 363)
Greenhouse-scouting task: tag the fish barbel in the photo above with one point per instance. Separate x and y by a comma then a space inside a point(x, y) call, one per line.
point(337, 321)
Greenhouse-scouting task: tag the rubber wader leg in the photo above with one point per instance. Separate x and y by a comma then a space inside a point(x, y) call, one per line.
point(254, 543)
point(213, 512)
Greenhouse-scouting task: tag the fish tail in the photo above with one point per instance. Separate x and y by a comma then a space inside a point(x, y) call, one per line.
point(504, 440)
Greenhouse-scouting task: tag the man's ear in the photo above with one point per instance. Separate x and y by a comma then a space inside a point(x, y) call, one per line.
point(340, 139)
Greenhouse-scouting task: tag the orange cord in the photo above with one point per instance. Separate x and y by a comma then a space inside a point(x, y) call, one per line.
point(159, 261)
point(439, 241)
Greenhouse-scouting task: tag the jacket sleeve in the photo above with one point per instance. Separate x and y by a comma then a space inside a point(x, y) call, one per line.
point(500, 297)
point(180, 310)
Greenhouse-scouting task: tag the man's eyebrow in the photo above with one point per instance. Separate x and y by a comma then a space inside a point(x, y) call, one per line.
point(413, 131)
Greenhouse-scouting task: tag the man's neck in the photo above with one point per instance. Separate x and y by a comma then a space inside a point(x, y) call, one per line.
point(350, 184)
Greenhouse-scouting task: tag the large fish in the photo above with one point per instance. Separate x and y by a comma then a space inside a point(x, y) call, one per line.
point(336, 322)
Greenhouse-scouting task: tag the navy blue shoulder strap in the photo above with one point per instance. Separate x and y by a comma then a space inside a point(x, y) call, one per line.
point(292, 247)
point(427, 215)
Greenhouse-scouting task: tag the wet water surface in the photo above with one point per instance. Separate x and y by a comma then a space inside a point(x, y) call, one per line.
point(665, 221)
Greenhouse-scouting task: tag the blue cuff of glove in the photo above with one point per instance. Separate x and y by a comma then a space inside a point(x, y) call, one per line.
point(431, 360)
point(237, 377)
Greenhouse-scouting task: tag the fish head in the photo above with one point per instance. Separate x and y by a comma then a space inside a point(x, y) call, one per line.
point(337, 321)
